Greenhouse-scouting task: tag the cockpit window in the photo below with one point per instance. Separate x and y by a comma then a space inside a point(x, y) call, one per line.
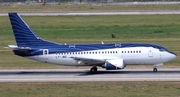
point(162, 50)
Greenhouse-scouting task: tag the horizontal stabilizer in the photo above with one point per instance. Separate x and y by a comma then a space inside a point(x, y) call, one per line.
point(14, 47)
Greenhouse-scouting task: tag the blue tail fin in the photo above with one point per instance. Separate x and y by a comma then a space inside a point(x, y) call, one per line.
point(24, 36)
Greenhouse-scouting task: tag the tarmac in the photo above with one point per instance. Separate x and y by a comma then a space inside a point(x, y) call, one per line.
point(77, 75)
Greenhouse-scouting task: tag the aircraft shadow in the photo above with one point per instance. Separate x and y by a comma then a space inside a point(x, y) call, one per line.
point(85, 73)
point(130, 72)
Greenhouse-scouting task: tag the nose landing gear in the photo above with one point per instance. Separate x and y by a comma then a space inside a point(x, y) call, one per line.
point(155, 65)
point(155, 69)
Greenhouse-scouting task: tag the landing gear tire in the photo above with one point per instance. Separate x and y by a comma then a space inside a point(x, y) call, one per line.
point(155, 70)
point(93, 70)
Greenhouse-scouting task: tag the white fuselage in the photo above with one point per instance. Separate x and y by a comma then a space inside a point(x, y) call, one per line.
point(130, 55)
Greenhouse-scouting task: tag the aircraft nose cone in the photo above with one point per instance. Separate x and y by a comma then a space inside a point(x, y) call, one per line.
point(168, 56)
point(172, 56)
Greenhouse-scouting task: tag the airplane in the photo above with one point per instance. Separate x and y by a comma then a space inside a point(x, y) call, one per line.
point(111, 56)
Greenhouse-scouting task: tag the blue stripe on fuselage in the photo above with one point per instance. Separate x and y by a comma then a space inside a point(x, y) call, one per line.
point(37, 50)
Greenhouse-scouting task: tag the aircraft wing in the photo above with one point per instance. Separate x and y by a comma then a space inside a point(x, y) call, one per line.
point(89, 61)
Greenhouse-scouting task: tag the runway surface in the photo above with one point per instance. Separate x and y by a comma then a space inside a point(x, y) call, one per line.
point(141, 12)
point(57, 75)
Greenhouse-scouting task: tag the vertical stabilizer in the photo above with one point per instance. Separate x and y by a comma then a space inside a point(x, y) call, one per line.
point(24, 36)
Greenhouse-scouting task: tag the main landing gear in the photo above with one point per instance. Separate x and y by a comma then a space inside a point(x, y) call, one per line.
point(93, 69)
point(155, 69)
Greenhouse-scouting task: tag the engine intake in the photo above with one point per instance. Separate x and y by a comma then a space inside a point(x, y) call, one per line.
point(114, 64)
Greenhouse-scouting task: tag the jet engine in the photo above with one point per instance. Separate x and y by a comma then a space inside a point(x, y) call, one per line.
point(114, 64)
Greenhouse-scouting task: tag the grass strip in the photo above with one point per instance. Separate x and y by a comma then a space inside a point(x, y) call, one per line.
point(65, 7)
point(90, 89)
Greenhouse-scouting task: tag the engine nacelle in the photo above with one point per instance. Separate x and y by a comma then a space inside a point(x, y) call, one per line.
point(114, 64)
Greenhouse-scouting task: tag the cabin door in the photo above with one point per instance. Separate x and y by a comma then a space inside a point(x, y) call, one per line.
point(45, 51)
point(150, 52)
